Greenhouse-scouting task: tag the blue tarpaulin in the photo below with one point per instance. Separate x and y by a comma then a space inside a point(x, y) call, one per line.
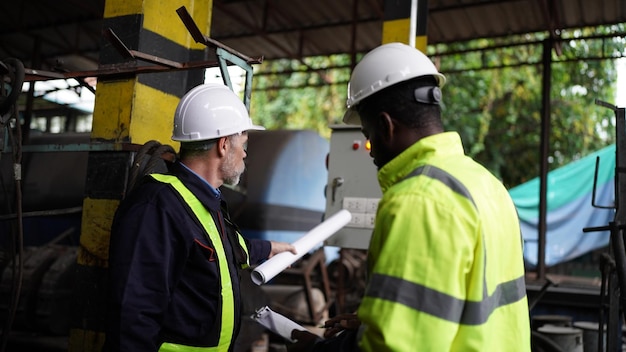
point(569, 208)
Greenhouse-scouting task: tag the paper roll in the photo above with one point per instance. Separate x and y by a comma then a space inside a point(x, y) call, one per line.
point(273, 266)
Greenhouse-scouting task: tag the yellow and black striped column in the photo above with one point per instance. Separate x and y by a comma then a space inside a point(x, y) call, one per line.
point(129, 110)
point(397, 23)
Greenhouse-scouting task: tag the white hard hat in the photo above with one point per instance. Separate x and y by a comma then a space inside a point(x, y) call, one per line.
point(382, 67)
point(210, 111)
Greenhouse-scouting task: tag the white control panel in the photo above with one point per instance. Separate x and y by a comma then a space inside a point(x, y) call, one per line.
point(352, 185)
point(363, 211)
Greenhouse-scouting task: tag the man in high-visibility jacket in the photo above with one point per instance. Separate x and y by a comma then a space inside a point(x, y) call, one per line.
point(445, 261)
point(175, 255)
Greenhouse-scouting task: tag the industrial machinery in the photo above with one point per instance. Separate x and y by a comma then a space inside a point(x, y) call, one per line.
point(613, 263)
point(352, 185)
point(44, 186)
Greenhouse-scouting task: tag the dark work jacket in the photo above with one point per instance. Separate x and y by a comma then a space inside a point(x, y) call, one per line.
point(163, 276)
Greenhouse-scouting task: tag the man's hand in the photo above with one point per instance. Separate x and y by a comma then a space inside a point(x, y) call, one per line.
point(305, 341)
point(346, 321)
point(279, 247)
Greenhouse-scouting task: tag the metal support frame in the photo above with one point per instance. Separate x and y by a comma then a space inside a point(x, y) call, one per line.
point(544, 151)
point(303, 275)
point(613, 264)
point(224, 55)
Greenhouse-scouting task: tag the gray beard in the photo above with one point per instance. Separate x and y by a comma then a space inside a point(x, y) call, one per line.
point(231, 174)
point(232, 181)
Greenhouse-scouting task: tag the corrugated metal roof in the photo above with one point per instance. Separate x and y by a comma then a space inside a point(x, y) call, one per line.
point(69, 32)
point(288, 28)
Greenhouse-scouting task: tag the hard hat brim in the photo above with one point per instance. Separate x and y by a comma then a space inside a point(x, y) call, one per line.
point(256, 128)
point(351, 117)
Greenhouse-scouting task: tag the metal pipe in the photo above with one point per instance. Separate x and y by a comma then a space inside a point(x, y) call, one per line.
point(413, 23)
point(544, 151)
point(66, 211)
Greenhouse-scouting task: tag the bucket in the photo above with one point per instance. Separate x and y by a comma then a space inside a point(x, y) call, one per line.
point(568, 338)
point(590, 335)
point(557, 320)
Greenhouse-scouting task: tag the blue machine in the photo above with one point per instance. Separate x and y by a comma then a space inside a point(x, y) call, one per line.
point(281, 194)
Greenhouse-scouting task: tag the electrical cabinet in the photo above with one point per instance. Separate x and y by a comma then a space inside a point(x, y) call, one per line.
point(352, 185)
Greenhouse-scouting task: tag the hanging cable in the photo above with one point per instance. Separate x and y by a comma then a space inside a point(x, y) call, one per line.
point(8, 110)
point(139, 163)
point(149, 159)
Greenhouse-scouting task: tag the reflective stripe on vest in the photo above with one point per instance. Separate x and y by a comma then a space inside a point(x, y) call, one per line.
point(243, 245)
point(437, 303)
point(228, 305)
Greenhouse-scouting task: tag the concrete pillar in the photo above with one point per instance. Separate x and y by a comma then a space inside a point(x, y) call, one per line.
point(130, 110)
point(405, 22)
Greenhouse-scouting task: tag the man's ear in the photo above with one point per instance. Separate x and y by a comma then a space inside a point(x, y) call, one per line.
point(386, 126)
point(222, 146)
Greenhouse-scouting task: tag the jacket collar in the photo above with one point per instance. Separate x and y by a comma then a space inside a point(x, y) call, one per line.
point(437, 145)
point(209, 196)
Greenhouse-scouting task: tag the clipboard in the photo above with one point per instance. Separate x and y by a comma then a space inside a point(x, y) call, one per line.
point(276, 322)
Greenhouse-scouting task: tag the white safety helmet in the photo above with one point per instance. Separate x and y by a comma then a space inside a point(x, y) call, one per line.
point(382, 67)
point(210, 111)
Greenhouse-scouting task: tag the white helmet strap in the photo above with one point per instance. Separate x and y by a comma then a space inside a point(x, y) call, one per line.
point(428, 95)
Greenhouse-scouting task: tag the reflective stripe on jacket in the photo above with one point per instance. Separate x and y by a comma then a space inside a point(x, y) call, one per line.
point(228, 310)
point(445, 260)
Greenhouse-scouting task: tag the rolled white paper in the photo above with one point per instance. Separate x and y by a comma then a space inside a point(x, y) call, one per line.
point(273, 266)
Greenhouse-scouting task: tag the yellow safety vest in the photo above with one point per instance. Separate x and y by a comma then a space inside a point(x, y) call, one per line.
point(228, 304)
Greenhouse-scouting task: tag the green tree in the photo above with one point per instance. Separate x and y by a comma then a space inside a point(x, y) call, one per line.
point(293, 95)
point(492, 98)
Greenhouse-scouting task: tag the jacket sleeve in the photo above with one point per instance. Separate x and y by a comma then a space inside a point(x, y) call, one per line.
point(344, 342)
point(258, 249)
point(142, 271)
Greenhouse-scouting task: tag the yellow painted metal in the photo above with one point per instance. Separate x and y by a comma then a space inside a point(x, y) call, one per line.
point(126, 111)
point(421, 43)
point(112, 110)
point(130, 111)
point(399, 30)
point(160, 17)
point(153, 118)
point(85, 340)
point(396, 31)
point(96, 224)
point(116, 8)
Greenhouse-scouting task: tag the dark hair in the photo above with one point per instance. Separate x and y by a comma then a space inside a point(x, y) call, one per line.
point(399, 102)
point(192, 149)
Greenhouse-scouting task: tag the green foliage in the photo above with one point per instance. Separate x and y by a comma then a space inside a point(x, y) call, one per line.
point(303, 98)
point(493, 97)
point(498, 110)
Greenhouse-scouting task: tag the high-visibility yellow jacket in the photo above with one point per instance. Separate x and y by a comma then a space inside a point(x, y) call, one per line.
point(445, 261)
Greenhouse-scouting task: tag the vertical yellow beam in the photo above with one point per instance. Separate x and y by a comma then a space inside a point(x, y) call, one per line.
point(397, 24)
point(130, 110)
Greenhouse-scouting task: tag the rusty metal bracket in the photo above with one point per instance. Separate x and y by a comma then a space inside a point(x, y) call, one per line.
point(224, 54)
point(197, 35)
point(160, 64)
point(134, 54)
